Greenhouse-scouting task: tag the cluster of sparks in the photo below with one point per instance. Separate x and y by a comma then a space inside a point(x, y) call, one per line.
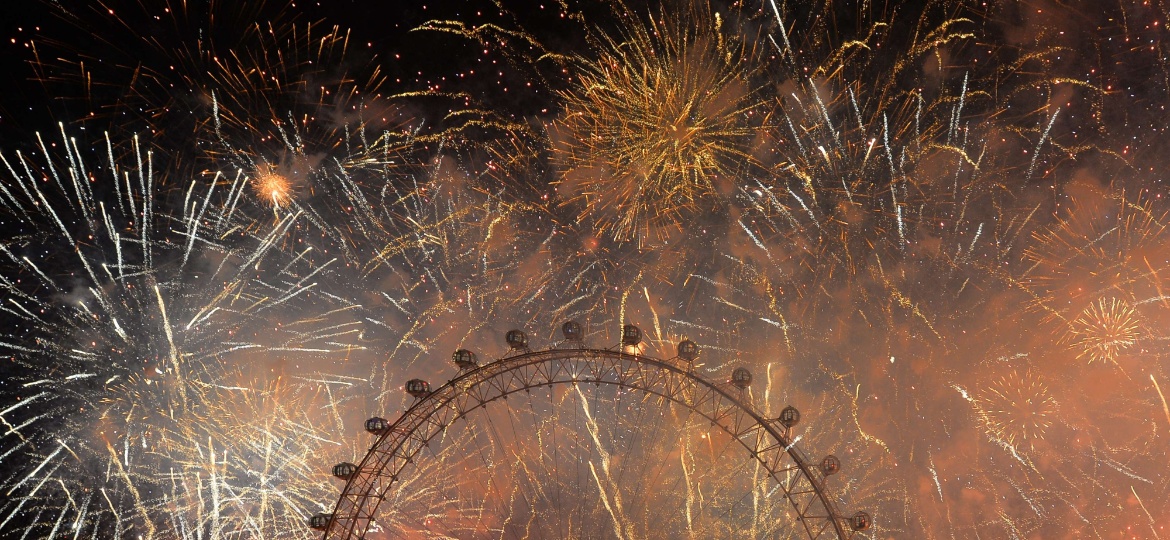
point(909, 231)
point(1017, 407)
point(1105, 330)
point(658, 125)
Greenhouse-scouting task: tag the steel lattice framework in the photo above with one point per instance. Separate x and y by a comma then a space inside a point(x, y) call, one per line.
point(724, 405)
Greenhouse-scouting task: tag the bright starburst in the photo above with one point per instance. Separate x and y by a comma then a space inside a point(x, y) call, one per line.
point(659, 124)
point(1104, 330)
point(1017, 408)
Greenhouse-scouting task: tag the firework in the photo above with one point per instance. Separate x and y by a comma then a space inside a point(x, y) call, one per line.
point(914, 220)
point(1103, 244)
point(1097, 275)
point(873, 241)
point(1104, 330)
point(273, 187)
point(657, 126)
point(246, 459)
point(122, 318)
point(1017, 408)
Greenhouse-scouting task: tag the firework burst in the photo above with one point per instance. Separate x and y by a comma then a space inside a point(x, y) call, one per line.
point(1104, 244)
point(658, 126)
point(122, 321)
point(1104, 330)
point(1017, 408)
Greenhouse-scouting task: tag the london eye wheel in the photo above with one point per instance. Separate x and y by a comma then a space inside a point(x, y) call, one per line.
point(574, 442)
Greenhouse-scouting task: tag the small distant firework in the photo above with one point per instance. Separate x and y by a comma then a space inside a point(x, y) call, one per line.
point(276, 102)
point(1017, 408)
point(275, 81)
point(1104, 330)
point(658, 125)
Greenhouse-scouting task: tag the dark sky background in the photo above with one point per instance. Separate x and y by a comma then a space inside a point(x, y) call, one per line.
point(381, 33)
point(1113, 44)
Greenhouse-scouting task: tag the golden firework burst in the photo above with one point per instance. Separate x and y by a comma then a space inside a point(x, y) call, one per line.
point(657, 123)
point(1104, 330)
point(1017, 408)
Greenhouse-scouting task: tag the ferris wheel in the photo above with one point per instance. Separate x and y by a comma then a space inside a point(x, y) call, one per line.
point(594, 443)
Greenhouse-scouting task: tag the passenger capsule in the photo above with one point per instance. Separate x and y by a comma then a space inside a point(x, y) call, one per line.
point(789, 417)
point(418, 388)
point(377, 425)
point(344, 470)
point(631, 335)
point(860, 521)
point(830, 465)
point(320, 521)
point(516, 339)
point(464, 358)
point(572, 331)
point(741, 378)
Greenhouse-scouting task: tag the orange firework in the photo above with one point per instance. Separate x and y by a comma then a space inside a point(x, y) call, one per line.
point(1103, 245)
point(273, 187)
point(1017, 408)
point(1105, 329)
